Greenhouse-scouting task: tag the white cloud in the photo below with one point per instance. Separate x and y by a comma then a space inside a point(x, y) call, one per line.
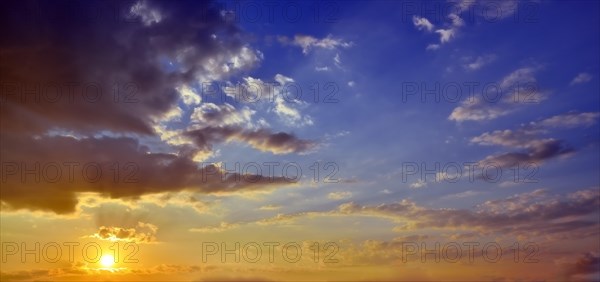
point(337, 60)
point(148, 15)
point(418, 184)
point(446, 34)
point(189, 95)
point(422, 23)
point(307, 42)
point(290, 115)
point(477, 110)
point(224, 64)
point(209, 114)
point(283, 80)
point(581, 78)
point(456, 20)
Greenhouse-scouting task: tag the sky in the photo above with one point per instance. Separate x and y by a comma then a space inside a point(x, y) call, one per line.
point(300, 140)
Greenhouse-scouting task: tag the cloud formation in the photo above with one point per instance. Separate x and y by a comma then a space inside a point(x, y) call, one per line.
point(307, 42)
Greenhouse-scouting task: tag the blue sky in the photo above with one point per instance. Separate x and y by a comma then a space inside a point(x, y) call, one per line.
point(385, 129)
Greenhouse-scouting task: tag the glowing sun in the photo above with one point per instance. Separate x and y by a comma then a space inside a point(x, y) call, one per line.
point(107, 260)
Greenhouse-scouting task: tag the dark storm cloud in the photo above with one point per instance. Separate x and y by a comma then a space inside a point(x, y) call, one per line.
point(84, 48)
point(66, 165)
point(95, 68)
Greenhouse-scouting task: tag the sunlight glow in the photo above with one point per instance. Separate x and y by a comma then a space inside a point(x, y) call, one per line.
point(107, 260)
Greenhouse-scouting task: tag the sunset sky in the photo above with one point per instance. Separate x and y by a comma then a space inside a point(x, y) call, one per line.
point(300, 141)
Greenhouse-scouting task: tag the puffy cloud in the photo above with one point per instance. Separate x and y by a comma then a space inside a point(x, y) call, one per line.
point(145, 233)
point(118, 89)
point(283, 105)
point(446, 34)
point(189, 95)
point(123, 56)
point(209, 114)
point(422, 23)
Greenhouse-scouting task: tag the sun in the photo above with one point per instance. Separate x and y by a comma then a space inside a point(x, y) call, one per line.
point(107, 260)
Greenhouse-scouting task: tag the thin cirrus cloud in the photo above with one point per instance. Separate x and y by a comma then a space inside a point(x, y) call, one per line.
point(308, 43)
point(518, 214)
point(581, 78)
point(515, 90)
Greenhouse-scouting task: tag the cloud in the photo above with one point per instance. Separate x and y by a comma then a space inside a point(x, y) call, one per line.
point(433, 47)
point(280, 93)
point(581, 78)
point(123, 54)
point(535, 213)
point(517, 89)
point(527, 138)
point(121, 92)
point(449, 33)
point(586, 268)
point(128, 234)
point(479, 62)
point(189, 95)
point(570, 120)
point(209, 114)
point(422, 23)
point(418, 184)
point(261, 139)
point(224, 226)
point(307, 42)
point(477, 110)
point(88, 165)
point(446, 34)
point(269, 207)
point(339, 195)
point(534, 150)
